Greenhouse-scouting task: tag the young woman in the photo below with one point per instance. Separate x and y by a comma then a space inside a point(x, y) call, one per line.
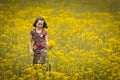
point(38, 35)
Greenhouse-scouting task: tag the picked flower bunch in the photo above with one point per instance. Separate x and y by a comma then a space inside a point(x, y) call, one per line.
point(51, 44)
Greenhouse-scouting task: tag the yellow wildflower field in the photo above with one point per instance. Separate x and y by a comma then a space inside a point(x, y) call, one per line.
point(84, 35)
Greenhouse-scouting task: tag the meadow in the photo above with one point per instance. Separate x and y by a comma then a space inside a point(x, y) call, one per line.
point(85, 39)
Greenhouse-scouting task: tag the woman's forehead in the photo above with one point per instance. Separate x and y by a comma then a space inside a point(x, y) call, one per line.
point(39, 21)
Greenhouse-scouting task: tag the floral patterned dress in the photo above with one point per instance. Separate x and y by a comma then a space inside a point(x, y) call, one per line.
point(39, 41)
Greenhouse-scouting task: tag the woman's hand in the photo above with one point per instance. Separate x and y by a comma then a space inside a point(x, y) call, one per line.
point(49, 46)
point(31, 52)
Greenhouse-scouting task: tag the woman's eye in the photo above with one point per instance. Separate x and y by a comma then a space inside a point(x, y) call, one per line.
point(40, 24)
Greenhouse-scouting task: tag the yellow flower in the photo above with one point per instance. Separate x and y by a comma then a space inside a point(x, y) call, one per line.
point(51, 44)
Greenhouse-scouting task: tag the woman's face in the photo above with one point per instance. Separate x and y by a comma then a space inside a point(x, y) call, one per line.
point(40, 24)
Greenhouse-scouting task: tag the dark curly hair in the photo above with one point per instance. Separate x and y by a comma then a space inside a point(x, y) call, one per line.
point(42, 19)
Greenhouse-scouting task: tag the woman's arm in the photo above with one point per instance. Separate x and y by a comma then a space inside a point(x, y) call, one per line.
point(46, 40)
point(30, 45)
point(47, 43)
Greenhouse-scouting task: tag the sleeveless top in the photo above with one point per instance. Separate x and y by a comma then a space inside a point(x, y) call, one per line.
point(39, 40)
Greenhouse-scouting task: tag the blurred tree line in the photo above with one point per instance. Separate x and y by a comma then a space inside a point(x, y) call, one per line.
point(78, 5)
